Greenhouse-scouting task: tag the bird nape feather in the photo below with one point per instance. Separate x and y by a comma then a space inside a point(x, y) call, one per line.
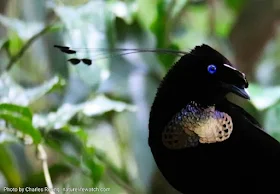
point(201, 142)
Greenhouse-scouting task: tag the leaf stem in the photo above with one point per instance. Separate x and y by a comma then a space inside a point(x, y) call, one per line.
point(44, 158)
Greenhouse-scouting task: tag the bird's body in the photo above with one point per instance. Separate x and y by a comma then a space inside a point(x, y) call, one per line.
point(238, 158)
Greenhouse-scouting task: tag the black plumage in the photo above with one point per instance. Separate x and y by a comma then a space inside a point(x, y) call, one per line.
point(248, 161)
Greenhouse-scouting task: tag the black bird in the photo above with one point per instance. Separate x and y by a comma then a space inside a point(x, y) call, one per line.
point(203, 143)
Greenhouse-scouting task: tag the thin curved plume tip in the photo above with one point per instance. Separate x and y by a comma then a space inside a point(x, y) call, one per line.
point(123, 51)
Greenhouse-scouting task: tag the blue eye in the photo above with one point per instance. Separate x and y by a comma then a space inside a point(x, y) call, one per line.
point(212, 69)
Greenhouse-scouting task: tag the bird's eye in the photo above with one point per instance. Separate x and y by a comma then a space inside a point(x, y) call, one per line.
point(212, 69)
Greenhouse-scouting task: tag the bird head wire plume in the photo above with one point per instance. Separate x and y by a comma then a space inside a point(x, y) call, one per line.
point(111, 53)
point(202, 66)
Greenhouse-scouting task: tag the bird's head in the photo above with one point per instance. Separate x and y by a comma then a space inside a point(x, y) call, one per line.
point(204, 75)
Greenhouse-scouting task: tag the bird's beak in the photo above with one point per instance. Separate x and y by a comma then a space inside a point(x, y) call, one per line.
point(241, 84)
point(242, 92)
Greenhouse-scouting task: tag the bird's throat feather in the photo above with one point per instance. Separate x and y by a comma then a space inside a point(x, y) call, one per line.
point(195, 124)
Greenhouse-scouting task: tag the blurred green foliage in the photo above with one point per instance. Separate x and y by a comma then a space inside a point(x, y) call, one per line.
point(92, 121)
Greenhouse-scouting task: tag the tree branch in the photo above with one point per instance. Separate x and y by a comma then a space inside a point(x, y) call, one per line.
point(16, 57)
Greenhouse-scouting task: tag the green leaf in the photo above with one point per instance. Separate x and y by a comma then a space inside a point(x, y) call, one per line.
point(66, 112)
point(55, 83)
point(58, 119)
point(11, 92)
point(21, 119)
point(79, 132)
point(22, 124)
point(14, 43)
point(93, 166)
point(9, 168)
point(264, 97)
point(56, 27)
point(101, 104)
point(21, 110)
point(71, 142)
point(146, 12)
point(235, 5)
point(67, 144)
point(159, 25)
point(163, 26)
